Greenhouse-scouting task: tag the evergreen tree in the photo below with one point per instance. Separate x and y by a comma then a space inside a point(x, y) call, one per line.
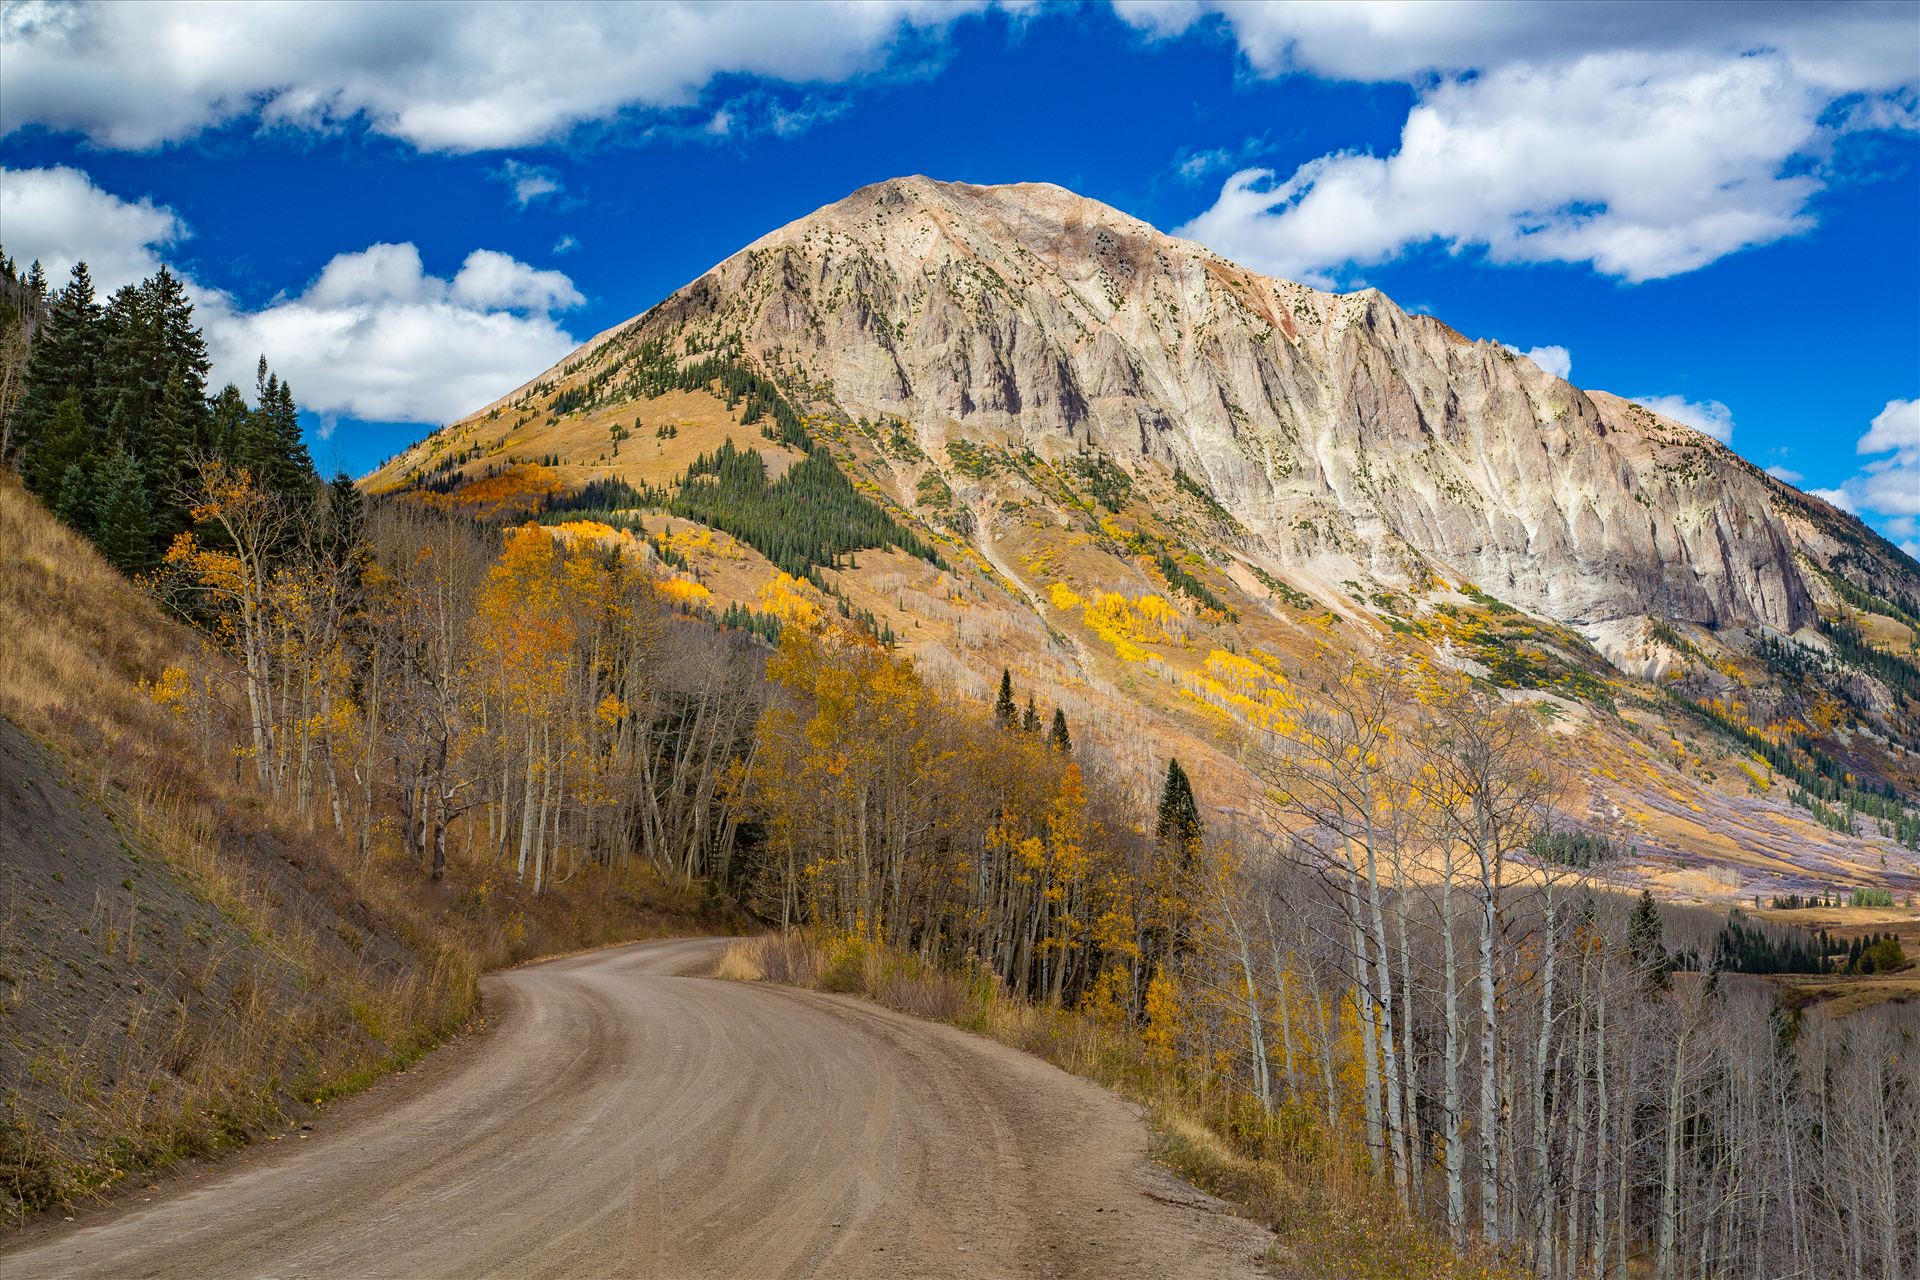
point(1030, 720)
point(229, 428)
point(1058, 739)
point(1005, 713)
point(149, 340)
point(342, 524)
point(172, 440)
point(73, 500)
point(123, 525)
point(278, 455)
point(1646, 943)
point(132, 373)
point(66, 356)
point(62, 443)
point(1179, 827)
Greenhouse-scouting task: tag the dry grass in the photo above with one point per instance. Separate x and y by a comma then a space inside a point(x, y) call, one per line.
point(1331, 1220)
point(282, 972)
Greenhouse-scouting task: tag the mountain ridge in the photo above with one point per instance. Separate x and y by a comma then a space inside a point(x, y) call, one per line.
point(1058, 388)
point(1071, 401)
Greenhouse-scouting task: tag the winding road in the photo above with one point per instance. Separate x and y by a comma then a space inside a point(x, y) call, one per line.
point(622, 1117)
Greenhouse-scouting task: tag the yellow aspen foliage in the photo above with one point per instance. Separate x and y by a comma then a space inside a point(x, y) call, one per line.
point(783, 599)
point(684, 591)
point(1162, 1008)
point(170, 690)
point(526, 629)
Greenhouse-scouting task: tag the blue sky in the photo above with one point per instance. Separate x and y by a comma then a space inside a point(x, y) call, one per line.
point(1712, 207)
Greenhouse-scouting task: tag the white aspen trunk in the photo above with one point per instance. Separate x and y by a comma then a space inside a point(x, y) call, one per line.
point(1390, 1050)
point(1542, 1201)
point(546, 798)
point(1670, 1155)
point(1363, 1008)
point(1416, 1145)
point(1489, 1044)
point(1451, 1102)
point(526, 809)
point(1255, 1031)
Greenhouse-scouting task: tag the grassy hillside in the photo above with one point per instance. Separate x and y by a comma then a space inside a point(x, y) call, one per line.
point(180, 968)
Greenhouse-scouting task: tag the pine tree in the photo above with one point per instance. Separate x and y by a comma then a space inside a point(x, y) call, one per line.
point(1030, 720)
point(1179, 827)
point(172, 439)
point(342, 521)
point(1005, 713)
point(229, 428)
point(278, 454)
point(1058, 739)
point(1646, 943)
point(63, 442)
point(73, 502)
point(66, 356)
point(123, 525)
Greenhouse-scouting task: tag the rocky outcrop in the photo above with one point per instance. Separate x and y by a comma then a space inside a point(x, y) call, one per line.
point(1343, 432)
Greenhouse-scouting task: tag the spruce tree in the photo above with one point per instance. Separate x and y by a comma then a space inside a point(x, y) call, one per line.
point(274, 451)
point(1646, 943)
point(1058, 739)
point(62, 443)
point(1005, 713)
point(1030, 719)
point(73, 500)
point(133, 367)
point(65, 359)
point(123, 520)
point(1179, 827)
point(229, 428)
point(342, 523)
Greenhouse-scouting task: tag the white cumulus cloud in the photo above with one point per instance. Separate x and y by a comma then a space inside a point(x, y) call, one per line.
point(1708, 417)
point(1785, 475)
point(374, 335)
point(1887, 488)
point(1838, 497)
point(1555, 360)
point(1890, 485)
point(439, 76)
point(60, 217)
point(1646, 140)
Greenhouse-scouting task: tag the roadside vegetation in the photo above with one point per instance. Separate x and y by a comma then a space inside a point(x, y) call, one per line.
point(1412, 1042)
point(212, 913)
point(1389, 1012)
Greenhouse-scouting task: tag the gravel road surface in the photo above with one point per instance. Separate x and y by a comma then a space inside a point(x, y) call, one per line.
point(622, 1117)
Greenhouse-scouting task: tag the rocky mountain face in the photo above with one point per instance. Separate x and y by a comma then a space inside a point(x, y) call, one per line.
point(1119, 465)
point(1350, 439)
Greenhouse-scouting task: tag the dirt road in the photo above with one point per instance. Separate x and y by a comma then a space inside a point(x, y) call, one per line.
point(622, 1119)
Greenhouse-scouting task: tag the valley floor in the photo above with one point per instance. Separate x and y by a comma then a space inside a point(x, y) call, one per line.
point(624, 1117)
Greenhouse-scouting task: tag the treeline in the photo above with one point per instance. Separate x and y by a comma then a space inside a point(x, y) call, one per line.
point(113, 417)
point(1875, 953)
point(808, 518)
point(1822, 784)
point(1891, 669)
point(1744, 947)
